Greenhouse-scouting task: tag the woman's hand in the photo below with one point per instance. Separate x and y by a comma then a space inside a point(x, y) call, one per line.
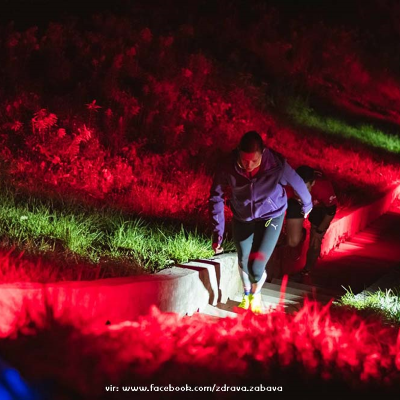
point(217, 248)
point(316, 239)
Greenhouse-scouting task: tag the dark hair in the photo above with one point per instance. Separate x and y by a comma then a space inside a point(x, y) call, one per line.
point(306, 173)
point(251, 142)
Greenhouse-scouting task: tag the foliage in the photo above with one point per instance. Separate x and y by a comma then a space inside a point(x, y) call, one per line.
point(137, 114)
point(317, 350)
point(385, 303)
point(91, 235)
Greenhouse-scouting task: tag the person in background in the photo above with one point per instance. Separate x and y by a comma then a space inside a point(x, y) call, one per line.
point(324, 210)
point(254, 177)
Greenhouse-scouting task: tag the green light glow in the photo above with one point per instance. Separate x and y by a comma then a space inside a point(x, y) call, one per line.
point(363, 133)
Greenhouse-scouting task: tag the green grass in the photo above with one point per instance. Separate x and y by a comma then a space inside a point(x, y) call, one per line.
point(39, 226)
point(383, 303)
point(366, 134)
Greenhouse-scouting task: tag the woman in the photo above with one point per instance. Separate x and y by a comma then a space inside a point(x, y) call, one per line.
point(255, 176)
point(325, 205)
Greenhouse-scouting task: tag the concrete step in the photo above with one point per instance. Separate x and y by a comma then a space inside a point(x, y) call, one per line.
point(221, 310)
point(271, 295)
point(293, 295)
point(298, 288)
point(228, 309)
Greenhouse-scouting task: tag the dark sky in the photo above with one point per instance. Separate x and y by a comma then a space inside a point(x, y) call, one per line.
point(37, 11)
point(26, 13)
point(370, 15)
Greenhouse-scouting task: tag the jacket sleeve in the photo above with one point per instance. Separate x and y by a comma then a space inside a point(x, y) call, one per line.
point(216, 204)
point(290, 177)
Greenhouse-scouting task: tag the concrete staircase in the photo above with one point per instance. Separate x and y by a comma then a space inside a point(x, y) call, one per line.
point(271, 294)
point(369, 259)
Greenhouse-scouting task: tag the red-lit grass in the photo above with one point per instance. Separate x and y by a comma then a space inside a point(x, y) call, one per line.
point(169, 186)
point(311, 350)
point(17, 267)
point(317, 349)
point(149, 131)
point(137, 117)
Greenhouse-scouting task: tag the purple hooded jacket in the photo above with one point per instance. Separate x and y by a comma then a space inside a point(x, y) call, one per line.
point(260, 197)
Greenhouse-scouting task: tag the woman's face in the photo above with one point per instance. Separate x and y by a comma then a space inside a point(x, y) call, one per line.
point(250, 161)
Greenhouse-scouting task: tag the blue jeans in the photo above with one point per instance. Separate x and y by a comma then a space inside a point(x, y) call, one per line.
point(255, 241)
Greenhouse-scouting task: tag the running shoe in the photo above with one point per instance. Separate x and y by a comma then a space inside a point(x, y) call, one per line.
point(305, 272)
point(245, 303)
point(256, 303)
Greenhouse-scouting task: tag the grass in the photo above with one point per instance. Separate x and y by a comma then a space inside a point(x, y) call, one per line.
point(92, 234)
point(317, 350)
point(385, 304)
point(363, 133)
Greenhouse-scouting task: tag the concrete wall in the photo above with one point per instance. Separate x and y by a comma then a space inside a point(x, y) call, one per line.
point(287, 260)
point(183, 289)
point(357, 220)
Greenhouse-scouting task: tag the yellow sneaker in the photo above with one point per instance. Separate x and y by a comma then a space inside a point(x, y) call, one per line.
point(245, 303)
point(256, 303)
